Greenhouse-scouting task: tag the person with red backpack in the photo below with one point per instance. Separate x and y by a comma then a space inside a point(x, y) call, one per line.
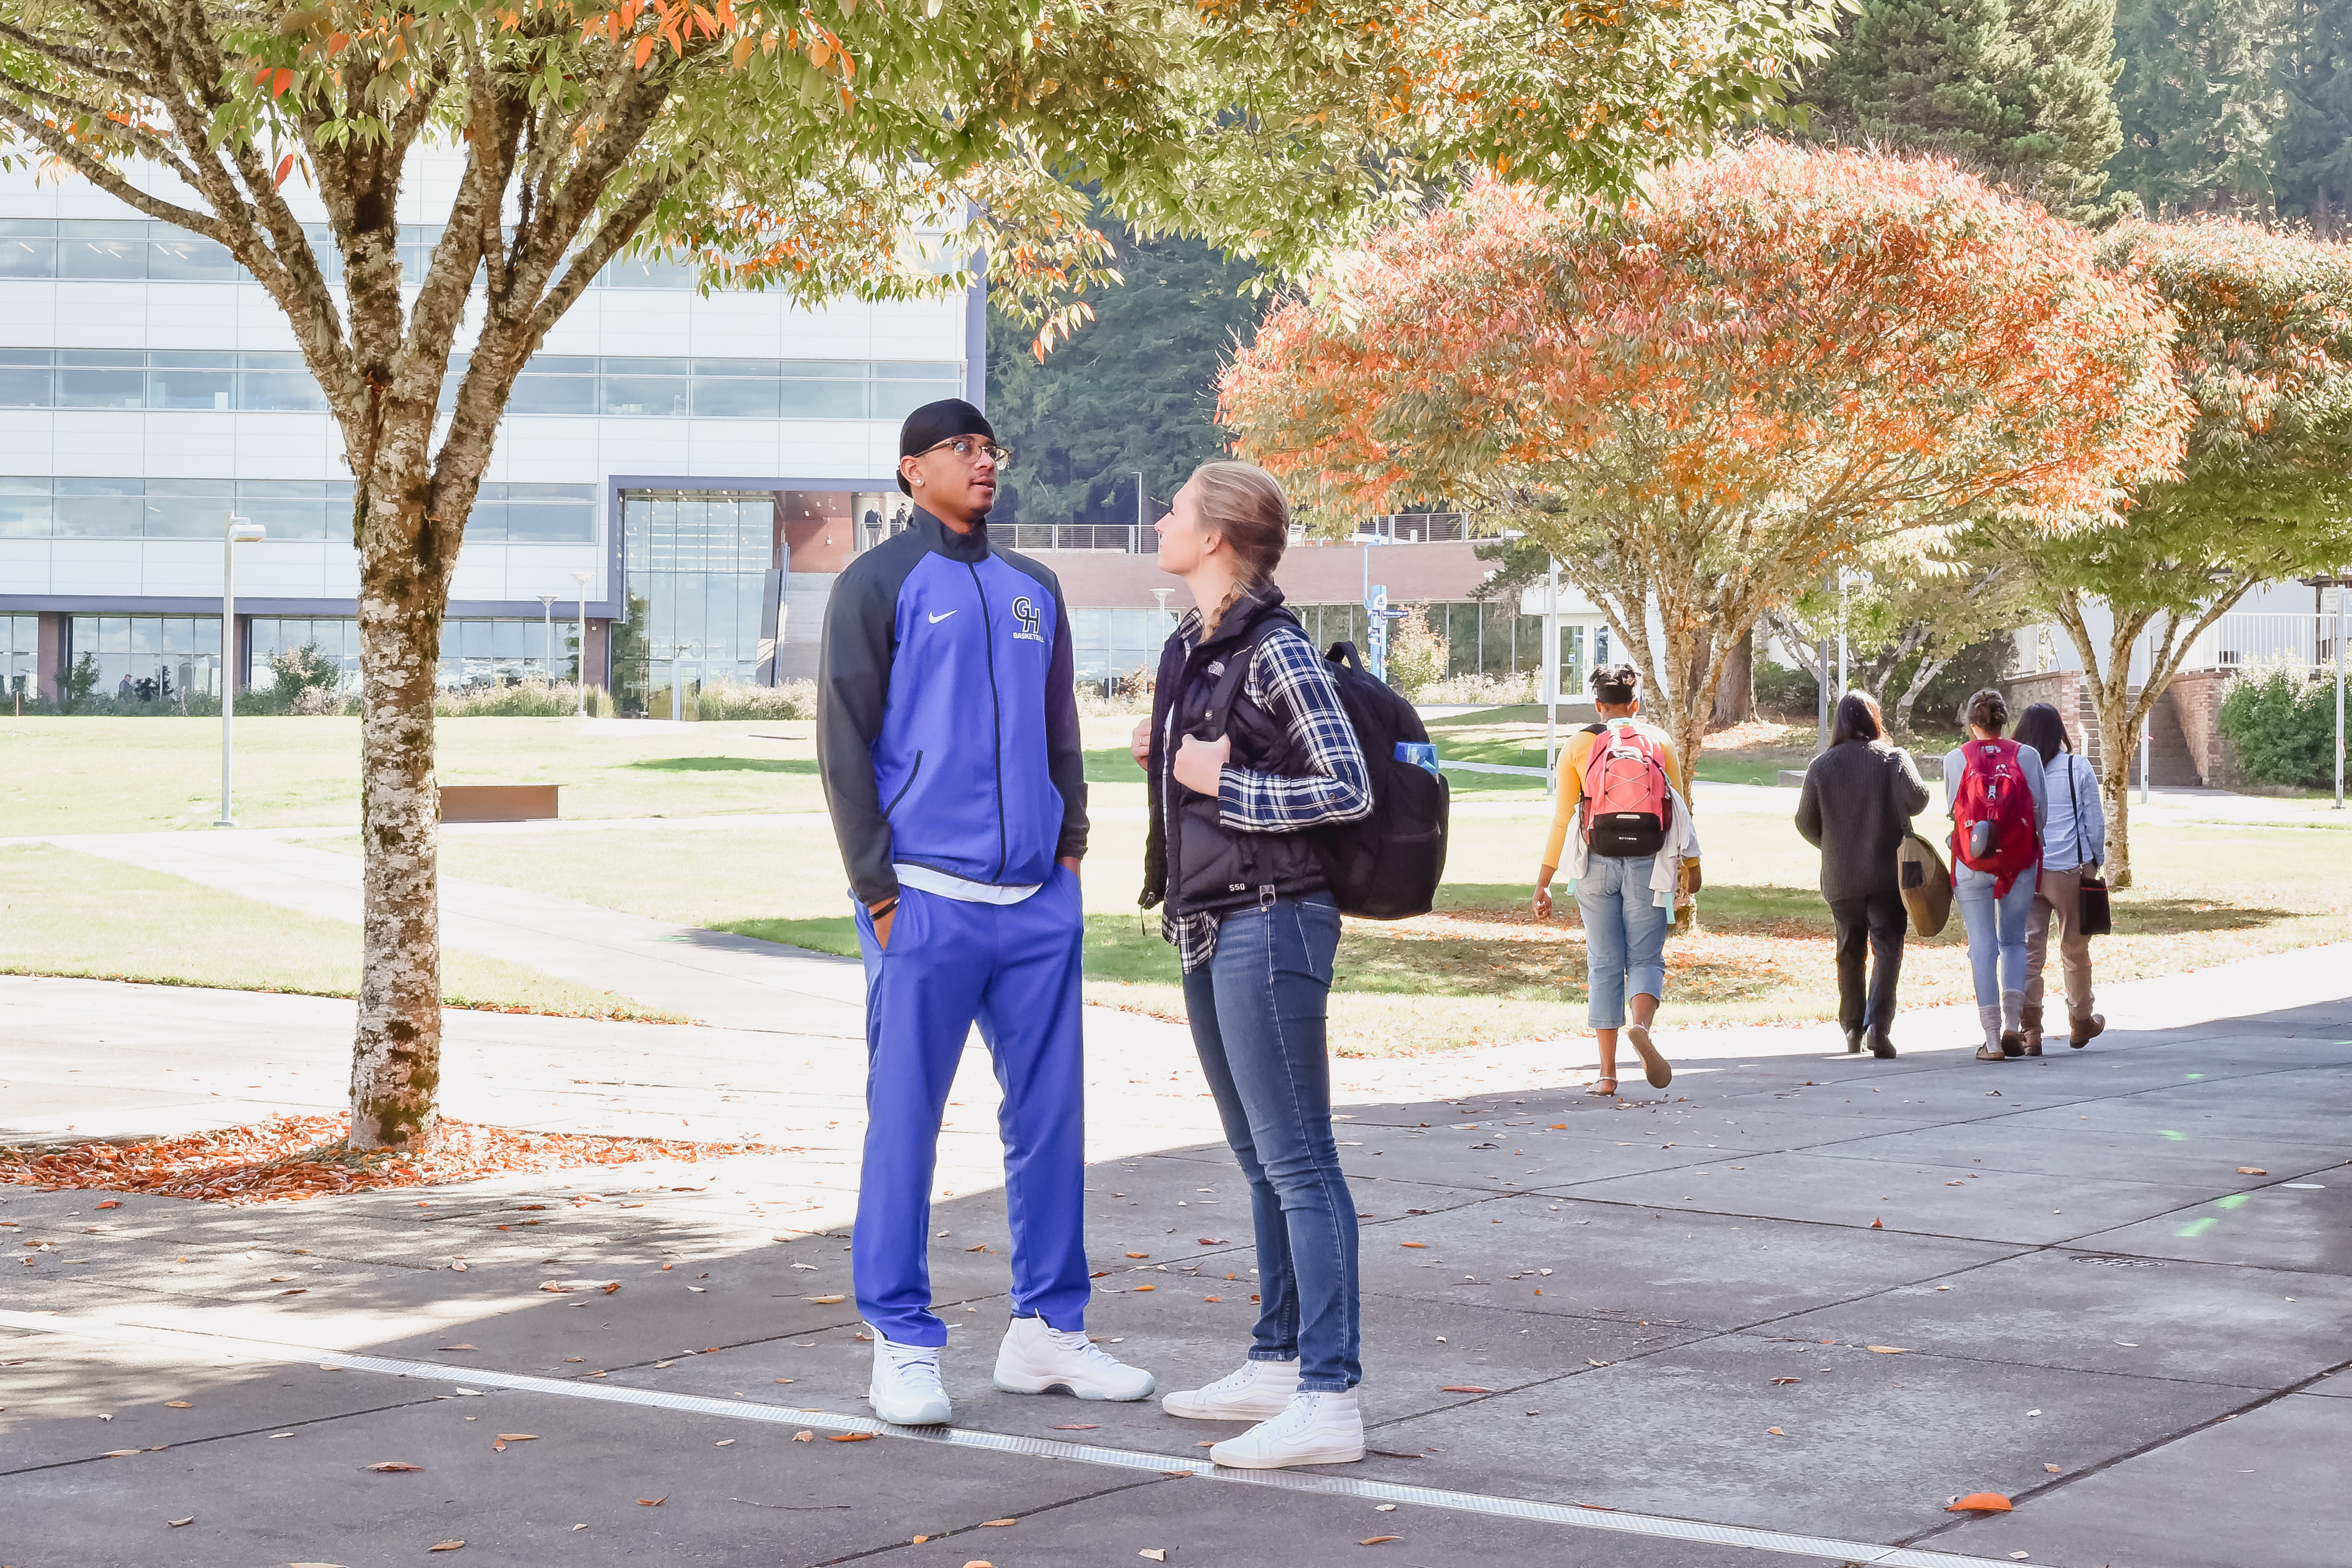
point(1994, 787)
point(1631, 849)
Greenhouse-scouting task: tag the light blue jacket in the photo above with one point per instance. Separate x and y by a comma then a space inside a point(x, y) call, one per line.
point(2074, 827)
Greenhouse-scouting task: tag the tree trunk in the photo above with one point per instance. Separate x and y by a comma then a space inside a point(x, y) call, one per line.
point(1921, 679)
point(403, 591)
point(2119, 743)
point(1735, 694)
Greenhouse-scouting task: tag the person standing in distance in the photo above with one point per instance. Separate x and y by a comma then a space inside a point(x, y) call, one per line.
point(948, 742)
point(1855, 808)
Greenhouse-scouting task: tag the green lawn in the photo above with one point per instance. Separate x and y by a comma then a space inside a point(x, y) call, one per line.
point(62, 912)
point(1480, 968)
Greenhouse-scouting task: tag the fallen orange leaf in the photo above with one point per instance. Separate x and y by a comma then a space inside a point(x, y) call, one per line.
point(389, 1465)
point(1885, 1350)
point(851, 1438)
point(653, 1501)
point(2251, 1170)
point(446, 1546)
point(518, 1437)
point(1979, 1503)
point(1463, 1388)
point(997, 1523)
point(1376, 1539)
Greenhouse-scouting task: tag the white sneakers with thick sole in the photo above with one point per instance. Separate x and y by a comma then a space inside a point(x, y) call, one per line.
point(1036, 1359)
point(1313, 1429)
point(1259, 1390)
point(906, 1390)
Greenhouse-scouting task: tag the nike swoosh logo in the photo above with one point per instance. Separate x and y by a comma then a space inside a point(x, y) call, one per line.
point(941, 616)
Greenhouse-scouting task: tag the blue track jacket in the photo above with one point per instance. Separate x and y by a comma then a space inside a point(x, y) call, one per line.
point(948, 715)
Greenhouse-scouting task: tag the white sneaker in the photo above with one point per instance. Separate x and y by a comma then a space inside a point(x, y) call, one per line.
point(906, 1390)
point(1260, 1389)
point(1314, 1429)
point(1036, 1359)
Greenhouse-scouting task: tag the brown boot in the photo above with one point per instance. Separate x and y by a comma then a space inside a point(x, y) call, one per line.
point(2029, 1026)
point(2082, 1031)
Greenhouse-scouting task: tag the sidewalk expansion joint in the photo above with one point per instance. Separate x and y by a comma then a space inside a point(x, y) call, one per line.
point(1583, 1516)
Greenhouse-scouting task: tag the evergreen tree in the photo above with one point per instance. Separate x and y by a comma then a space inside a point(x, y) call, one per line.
point(2018, 90)
point(2313, 139)
point(2200, 104)
point(1135, 390)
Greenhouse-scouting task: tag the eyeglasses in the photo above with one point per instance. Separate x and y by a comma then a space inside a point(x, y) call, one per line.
point(970, 447)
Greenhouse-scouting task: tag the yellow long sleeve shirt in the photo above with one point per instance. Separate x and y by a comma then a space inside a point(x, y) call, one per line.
point(1574, 758)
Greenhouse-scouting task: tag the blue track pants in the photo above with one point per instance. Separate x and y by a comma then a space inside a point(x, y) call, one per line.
point(1014, 969)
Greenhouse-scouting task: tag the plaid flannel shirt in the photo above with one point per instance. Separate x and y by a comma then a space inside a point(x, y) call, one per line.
point(1290, 682)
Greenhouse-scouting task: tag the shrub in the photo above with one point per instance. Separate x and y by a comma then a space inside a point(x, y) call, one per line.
point(531, 697)
point(724, 699)
point(1417, 654)
point(76, 683)
point(2280, 720)
point(1474, 689)
point(1785, 692)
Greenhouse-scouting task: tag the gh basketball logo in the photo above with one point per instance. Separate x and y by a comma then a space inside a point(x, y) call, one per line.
point(1027, 614)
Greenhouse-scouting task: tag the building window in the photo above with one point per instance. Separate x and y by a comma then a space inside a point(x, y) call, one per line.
point(698, 565)
point(609, 385)
point(20, 649)
point(148, 658)
point(474, 652)
point(287, 509)
point(1116, 644)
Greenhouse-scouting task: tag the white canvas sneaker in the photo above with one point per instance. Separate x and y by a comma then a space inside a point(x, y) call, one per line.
point(1036, 1359)
point(1260, 1389)
point(906, 1390)
point(1314, 1429)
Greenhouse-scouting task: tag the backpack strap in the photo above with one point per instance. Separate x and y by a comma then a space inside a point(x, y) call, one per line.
point(1344, 654)
point(1237, 665)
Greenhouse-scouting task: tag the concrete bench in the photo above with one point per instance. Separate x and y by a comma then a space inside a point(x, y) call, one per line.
point(498, 802)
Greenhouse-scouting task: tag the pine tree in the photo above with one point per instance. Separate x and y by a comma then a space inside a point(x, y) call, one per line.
point(2019, 91)
point(2200, 105)
point(2313, 139)
point(1134, 391)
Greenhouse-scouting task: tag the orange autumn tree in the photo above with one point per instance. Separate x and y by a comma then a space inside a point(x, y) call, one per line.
point(1700, 402)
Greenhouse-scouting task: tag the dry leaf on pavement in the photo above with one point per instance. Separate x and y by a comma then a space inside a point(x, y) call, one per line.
point(1376, 1539)
point(1979, 1503)
point(176, 1523)
point(1463, 1388)
point(852, 1437)
point(653, 1501)
point(997, 1523)
point(177, 1404)
point(446, 1546)
point(389, 1465)
point(1774, 1432)
point(1078, 1427)
point(518, 1437)
point(2051, 1468)
point(1157, 1553)
point(804, 1437)
point(2251, 1170)
point(1885, 1350)
point(828, 1301)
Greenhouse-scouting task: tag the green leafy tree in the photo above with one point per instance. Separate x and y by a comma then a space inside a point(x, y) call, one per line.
point(76, 682)
point(1134, 391)
point(2264, 347)
point(2019, 89)
point(2313, 140)
point(1417, 652)
point(778, 147)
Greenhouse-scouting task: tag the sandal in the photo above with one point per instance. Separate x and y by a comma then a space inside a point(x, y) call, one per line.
point(1595, 1086)
point(1991, 1053)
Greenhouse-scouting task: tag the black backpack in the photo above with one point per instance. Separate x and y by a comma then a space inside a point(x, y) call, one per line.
point(1385, 866)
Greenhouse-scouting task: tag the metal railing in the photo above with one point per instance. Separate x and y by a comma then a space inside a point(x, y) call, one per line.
point(1417, 528)
point(1125, 537)
point(2243, 641)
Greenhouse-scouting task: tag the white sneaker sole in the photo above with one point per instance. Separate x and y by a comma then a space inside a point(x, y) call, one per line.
point(1190, 1409)
point(1654, 1067)
point(1225, 1454)
point(1051, 1385)
point(928, 1415)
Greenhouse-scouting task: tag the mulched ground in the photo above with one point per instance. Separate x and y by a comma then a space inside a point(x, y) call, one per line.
point(290, 1158)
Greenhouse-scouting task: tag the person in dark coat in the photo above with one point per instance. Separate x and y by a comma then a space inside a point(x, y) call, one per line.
point(1858, 801)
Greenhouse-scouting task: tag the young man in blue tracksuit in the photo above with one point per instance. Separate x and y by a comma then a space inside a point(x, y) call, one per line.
point(948, 739)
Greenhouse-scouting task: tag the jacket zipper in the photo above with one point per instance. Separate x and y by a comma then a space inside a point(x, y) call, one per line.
point(995, 709)
point(910, 784)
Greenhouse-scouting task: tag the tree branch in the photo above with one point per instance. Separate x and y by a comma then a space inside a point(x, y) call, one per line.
point(98, 172)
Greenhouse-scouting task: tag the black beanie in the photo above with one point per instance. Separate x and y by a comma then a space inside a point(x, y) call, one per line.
point(937, 421)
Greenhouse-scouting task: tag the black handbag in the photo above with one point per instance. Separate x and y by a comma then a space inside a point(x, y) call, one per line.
point(2094, 916)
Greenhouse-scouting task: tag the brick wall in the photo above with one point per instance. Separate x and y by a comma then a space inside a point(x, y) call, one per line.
point(2195, 699)
point(2069, 693)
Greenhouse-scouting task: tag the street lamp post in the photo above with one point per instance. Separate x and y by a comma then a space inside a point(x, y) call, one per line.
point(547, 620)
point(238, 531)
point(580, 709)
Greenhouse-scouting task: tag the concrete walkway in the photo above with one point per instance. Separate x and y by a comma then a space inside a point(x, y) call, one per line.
point(1662, 1332)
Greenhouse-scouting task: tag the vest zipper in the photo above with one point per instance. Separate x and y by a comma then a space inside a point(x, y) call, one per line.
point(996, 712)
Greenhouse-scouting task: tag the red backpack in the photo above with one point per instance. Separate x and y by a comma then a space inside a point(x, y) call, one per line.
point(1992, 816)
point(1627, 807)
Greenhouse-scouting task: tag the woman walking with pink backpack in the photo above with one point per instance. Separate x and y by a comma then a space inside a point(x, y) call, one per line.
point(1994, 787)
point(1619, 811)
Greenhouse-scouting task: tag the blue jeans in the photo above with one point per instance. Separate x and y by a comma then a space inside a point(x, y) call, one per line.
point(1625, 936)
point(1014, 969)
point(1257, 1010)
point(1997, 930)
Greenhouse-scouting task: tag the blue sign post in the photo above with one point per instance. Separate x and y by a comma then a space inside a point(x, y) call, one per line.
point(1379, 615)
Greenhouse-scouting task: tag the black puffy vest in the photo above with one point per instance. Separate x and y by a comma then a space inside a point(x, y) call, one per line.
point(1192, 858)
